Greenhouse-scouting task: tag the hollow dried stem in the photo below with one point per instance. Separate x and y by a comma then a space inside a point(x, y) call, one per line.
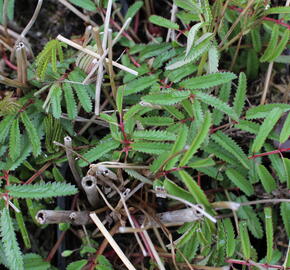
point(89, 185)
point(63, 216)
point(71, 160)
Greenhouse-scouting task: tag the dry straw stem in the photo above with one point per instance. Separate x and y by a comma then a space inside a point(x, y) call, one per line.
point(12, 83)
point(112, 242)
point(77, 12)
point(195, 207)
point(63, 216)
point(71, 160)
point(11, 204)
point(89, 185)
point(267, 83)
point(89, 52)
point(171, 32)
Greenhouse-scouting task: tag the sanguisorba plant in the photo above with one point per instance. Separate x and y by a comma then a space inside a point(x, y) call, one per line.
point(181, 117)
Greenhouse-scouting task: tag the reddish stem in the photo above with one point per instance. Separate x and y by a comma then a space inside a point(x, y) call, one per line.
point(251, 264)
point(279, 151)
point(264, 18)
point(39, 172)
point(7, 62)
point(172, 170)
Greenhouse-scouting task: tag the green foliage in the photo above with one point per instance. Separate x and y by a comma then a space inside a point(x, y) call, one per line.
point(177, 125)
point(41, 190)
point(158, 20)
point(85, 4)
point(133, 9)
point(208, 81)
point(49, 55)
point(230, 237)
point(199, 139)
point(269, 233)
point(245, 240)
point(9, 241)
point(266, 128)
point(239, 180)
point(266, 178)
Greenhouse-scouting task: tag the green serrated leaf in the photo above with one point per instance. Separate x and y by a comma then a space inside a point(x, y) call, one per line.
point(9, 241)
point(285, 132)
point(22, 226)
point(269, 233)
point(85, 4)
point(177, 147)
point(156, 121)
point(32, 134)
point(207, 81)
point(5, 125)
point(280, 47)
point(240, 181)
point(230, 145)
point(266, 128)
point(133, 9)
point(77, 265)
point(230, 237)
point(41, 190)
point(99, 150)
point(166, 97)
point(35, 262)
point(272, 44)
point(177, 191)
point(151, 147)
point(158, 20)
point(217, 104)
point(240, 96)
point(199, 139)
point(55, 99)
point(154, 135)
point(253, 128)
point(262, 111)
point(139, 84)
point(14, 140)
point(81, 90)
point(70, 102)
point(191, 36)
point(195, 190)
point(138, 176)
point(285, 213)
point(245, 240)
point(247, 213)
point(266, 178)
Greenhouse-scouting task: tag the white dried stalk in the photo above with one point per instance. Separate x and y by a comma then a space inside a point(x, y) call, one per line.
point(153, 250)
point(85, 50)
point(197, 208)
point(171, 32)
point(111, 241)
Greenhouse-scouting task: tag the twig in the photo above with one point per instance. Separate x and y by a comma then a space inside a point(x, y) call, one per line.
point(77, 12)
point(267, 83)
point(32, 20)
point(38, 173)
point(71, 160)
point(236, 23)
point(265, 201)
point(112, 242)
point(79, 47)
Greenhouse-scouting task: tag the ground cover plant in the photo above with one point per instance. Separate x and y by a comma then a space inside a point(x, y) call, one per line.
point(145, 134)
